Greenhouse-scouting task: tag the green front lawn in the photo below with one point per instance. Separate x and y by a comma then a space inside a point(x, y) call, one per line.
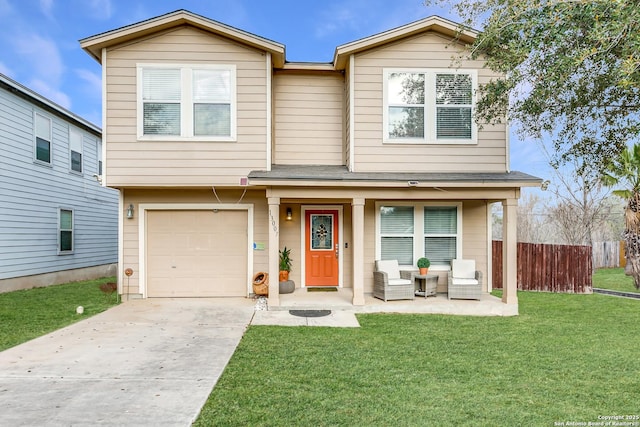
point(614, 279)
point(566, 358)
point(28, 314)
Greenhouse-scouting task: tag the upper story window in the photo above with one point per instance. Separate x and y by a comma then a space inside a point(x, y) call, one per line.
point(429, 106)
point(42, 133)
point(196, 102)
point(75, 149)
point(99, 155)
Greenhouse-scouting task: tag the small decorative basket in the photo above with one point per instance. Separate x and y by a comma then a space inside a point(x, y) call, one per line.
point(261, 283)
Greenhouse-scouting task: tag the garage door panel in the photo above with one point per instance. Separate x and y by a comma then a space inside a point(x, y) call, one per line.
point(196, 253)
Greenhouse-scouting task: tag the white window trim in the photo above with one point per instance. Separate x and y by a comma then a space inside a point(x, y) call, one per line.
point(430, 107)
point(79, 133)
point(418, 229)
point(186, 103)
point(99, 170)
point(73, 231)
point(35, 139)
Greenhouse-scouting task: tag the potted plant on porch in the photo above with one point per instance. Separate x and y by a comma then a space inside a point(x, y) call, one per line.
point(423, 265)
point(285, 264)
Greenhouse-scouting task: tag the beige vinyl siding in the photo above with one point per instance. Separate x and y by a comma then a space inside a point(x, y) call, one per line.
point(369, 244)
point(424, 51)
point(130, 229)
point(347, 117)
point(475, 237)
point(475, 234)
point(183, 163)
point(308, 125)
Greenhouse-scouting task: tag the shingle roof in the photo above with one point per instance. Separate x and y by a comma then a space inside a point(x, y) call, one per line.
point(341, 173)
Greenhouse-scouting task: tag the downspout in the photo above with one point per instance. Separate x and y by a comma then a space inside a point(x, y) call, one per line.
point(104, 117)
point(269, 75)
point(352, 63)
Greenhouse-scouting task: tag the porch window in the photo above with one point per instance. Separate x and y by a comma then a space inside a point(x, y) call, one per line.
point(408, 232)
point(440, 234)
point(396, 233)
point(429, 106)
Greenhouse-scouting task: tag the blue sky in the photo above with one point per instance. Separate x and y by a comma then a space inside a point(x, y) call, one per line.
point(39, 40)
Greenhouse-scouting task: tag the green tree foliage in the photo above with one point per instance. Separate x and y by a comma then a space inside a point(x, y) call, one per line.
point(571, 71)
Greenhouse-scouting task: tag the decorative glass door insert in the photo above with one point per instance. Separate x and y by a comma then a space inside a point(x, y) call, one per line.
point(321, 232)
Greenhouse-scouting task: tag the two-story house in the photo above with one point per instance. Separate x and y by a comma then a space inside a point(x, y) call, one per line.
point(224, 153)
point(59, 224)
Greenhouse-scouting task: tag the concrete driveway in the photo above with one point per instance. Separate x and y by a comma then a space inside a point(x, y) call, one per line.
point(143, 363)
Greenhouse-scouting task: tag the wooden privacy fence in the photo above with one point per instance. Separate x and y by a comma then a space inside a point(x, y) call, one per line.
point(550, 268)
point(608, 254)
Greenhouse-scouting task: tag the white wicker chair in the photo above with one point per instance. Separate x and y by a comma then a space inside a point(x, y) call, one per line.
point(465, 282)
point(389, 283)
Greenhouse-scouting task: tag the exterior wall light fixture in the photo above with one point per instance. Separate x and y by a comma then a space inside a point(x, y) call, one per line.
point(289, 214)
point(130, 211)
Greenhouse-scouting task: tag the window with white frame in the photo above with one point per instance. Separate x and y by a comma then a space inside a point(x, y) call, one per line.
point(65, 231)
point(397, 233)
point(42, 133)
point(440, 233)
point(75, 149)
point(99, 155)
point(187, 102)
point(429, 106)
point(408, 231)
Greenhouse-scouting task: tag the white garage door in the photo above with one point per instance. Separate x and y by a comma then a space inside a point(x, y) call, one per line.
point(198, 253)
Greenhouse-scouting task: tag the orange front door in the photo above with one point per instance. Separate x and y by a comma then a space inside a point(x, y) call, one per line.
point(321, 247)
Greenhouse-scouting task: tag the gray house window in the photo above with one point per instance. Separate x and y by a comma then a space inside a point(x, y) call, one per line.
point(99, 156)
point(42, 138)
point(65, 231)
point(75, 145)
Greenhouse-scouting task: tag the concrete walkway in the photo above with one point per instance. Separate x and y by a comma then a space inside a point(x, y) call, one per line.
point(143, 363)
point(154, 362)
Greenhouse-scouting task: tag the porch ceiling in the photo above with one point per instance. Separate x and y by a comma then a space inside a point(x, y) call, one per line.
point(340, 176)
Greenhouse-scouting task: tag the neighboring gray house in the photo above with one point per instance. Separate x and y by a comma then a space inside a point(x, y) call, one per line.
point(57, 222)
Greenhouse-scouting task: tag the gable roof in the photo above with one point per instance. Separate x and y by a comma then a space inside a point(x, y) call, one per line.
point(431, 23)
point(94, 44)
point(46, 104)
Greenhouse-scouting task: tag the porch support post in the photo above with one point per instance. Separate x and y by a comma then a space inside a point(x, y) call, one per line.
point(358, 250)
point(274, 246)
point(510, 251)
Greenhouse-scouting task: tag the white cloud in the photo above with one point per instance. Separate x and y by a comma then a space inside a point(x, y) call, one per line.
point(43, 56)
point(93, 82)
point(6, 70)
point(46, 7)
point(5, 7)
point(100, 9)
point(338, 18)
point(50, 92)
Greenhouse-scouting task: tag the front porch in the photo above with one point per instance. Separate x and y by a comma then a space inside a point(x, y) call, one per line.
point(301, 299)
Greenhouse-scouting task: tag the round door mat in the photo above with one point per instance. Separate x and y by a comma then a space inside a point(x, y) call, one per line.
point(310, 313)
